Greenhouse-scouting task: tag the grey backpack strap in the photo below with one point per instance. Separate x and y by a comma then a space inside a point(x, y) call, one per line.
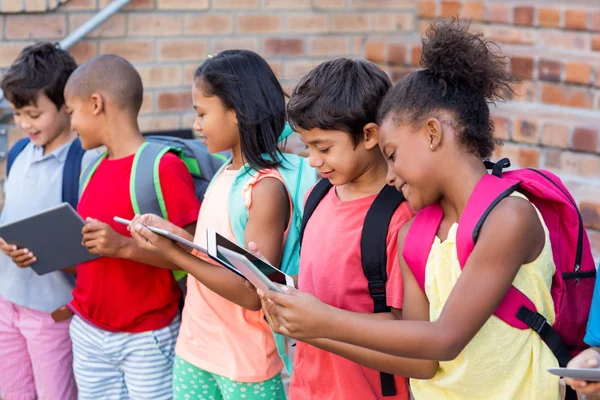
point(87, 173)
point(145, 190)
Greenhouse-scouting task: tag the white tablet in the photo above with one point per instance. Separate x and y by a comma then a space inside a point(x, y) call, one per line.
point(216, 242)
point(53, 236)
point(249, 270)
point(584, 374)
point(167, 234)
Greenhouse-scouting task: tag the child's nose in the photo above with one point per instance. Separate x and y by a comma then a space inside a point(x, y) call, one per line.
point(390, 178)
point(314, 161)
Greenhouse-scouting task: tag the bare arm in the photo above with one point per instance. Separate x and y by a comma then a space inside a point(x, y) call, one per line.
point(399, 366)
point(511, 236)
point(262, 226)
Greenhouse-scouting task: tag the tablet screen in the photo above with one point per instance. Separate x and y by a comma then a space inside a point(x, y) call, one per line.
point(274, 274)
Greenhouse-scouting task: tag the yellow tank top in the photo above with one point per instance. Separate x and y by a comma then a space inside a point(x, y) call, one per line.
point(501, 362)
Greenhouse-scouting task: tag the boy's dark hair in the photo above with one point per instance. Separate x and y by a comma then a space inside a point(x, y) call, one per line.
point(41, 67)
point(341, 94)
point(463, 72)
point(244, 82)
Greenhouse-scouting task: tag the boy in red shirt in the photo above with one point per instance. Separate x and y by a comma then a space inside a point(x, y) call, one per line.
point(126, 303)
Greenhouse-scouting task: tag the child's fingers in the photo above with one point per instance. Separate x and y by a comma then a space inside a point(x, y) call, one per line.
point(589, 388)
point(23, 258)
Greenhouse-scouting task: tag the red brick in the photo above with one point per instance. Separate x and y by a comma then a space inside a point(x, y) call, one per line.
point(529, 157)
point(79, 5)
point(287, 47)
point(204, 24)
point(350, 23)
point(501, 128)
point(525, 91)
point(133, 5)
point(84, 50)
point(219, 45)
point(511, 35)
point(522, 67)
point(596, 43)
point(590, 213)
point(564, 40)
point(183, 4)
point(586, 165)
point(329, 46)
point(306, 23)
point(37, 5)
point(525, 131)
point(175, 101)
point(287, 4)
point(563, 96)
point(47, 26)
point(132, 50)
point(578, 73)
point(555, 135)
point(523, 16)
point(499, 13)
point(415, 55)
point(548, 17)
point(297, 69)
point(396, 54)
point(585, 140)
point(474, 11)
point(189, 70)
point(382, 4)
point(234, 4)
point(595, 21)
point(154, 24)
point(427, 9)
point(576, 19)
point(9, 52)
point(394, 22)
point(147, 104)
point(376, 52)
point(12, 6)
point(150, 123)
point(182, 50)
point(160, 75)
point(276, 68)
point(329, 4)
point(594, 237)
point(113, 27)
point(258, 23)
point(450, 9)
point(549, 70)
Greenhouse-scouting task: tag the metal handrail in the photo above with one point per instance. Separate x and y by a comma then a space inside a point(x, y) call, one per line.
point(79, 33)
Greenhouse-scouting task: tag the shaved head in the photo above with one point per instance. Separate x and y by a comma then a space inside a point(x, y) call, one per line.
point(112, 77)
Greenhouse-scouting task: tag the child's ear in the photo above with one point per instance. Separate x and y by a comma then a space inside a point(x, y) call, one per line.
point(97, 103)
point(370, 135)
point(433, 133)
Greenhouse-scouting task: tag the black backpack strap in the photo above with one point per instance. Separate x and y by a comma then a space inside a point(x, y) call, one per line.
point(373, 249)
point(71, 173)
point(317, 194)
point(538, 323)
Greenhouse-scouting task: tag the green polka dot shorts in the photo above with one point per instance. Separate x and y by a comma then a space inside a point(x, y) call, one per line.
point(193, 383)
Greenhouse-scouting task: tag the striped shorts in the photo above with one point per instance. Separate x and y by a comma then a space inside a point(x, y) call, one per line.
point(121, 366)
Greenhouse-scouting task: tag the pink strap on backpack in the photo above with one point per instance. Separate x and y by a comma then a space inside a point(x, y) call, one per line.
point(418, 241)
point(417, 245)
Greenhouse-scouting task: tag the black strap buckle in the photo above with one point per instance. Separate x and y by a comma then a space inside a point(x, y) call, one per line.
point(377, 290)
point(534, 320)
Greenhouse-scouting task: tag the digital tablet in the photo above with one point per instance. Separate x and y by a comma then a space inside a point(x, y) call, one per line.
point(583, 374)
point(215, 242)
point(167, 234)
point(249, 270)
point(53, 236)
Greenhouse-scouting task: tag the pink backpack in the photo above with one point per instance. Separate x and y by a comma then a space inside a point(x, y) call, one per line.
point(574, 279)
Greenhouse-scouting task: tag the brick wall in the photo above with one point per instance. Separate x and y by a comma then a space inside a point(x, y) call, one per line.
point(552, 122)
